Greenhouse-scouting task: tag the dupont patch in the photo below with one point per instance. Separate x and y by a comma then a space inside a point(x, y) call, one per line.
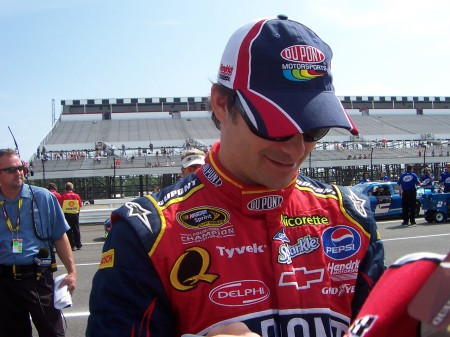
point(265, 203)
point(201, 217)
point(211, 174)
point(107, 260)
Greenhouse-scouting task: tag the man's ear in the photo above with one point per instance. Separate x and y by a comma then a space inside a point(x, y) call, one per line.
point(219, 105)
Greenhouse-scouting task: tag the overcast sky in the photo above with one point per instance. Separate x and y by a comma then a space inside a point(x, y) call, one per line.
point(80, 49)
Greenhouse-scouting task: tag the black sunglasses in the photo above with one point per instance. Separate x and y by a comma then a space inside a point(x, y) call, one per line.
point(12, 169)
point(308, 136)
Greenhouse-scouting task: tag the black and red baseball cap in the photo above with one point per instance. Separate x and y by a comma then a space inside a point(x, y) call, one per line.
point(280, 70)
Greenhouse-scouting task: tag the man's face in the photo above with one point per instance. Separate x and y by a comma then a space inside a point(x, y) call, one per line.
point(13, 180)
point(185, 171)
point(257, 161)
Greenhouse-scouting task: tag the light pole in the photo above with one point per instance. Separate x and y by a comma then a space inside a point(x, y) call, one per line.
point(310, 163)
point(43, 169)
point(371, 165)
point(424, 154)
point(114, 177)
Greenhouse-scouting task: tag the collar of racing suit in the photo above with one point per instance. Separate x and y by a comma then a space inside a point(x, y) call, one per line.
point(250, 199)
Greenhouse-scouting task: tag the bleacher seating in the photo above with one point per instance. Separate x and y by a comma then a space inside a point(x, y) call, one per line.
point(137, 133)
point(140, 132)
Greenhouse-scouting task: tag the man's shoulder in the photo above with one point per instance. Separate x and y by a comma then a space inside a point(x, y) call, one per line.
point(305, 181)
point(182, 188)
point(141, 216)
point(34, 191)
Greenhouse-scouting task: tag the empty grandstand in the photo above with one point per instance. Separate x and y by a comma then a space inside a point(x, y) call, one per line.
point(123, 147)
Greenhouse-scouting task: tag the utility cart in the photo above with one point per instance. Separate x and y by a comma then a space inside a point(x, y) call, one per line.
point(436, 206)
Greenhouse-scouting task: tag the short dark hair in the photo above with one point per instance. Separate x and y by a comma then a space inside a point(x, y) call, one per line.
point(51, 186)
point(7, 153)
point(231, 97)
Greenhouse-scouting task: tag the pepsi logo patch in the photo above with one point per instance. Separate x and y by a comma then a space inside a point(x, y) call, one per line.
point(341, 242)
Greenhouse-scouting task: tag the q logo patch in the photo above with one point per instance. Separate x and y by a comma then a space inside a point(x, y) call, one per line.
point(190, 268)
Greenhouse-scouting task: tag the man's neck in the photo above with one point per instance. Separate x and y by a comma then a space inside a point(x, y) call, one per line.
point(10, 193)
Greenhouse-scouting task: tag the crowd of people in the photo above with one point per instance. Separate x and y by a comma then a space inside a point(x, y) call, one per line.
point(111, 151)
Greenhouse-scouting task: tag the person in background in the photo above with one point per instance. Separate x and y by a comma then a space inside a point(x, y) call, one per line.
point(407, 183)
point(365, 178)
point(191, 160)
point(444, 180)
point(52, 188)
point(427, 178)
point(246, 238)
point(71, 205)
point(32, 225)
point(384, 176)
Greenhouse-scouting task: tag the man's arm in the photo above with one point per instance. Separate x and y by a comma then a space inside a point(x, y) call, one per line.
point(127, 296)
point(64, 252)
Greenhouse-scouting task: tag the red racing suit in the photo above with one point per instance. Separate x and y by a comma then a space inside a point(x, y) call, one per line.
point(208, 250)
point(412, 299)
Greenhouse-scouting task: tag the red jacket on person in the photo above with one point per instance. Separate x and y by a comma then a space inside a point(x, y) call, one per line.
point(70, 202)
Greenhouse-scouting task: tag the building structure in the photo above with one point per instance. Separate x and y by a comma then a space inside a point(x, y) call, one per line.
point(86, 141)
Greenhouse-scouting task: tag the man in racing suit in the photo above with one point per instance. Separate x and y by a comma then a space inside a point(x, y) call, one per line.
point(244, 239)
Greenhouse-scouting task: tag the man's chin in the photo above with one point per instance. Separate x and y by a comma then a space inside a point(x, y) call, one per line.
point(19, 182)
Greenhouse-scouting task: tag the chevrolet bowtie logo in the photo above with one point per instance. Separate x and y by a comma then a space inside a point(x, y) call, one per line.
point(301, 278)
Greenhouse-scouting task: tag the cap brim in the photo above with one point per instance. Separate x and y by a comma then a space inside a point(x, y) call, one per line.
point(294, 112)
point(197, 161)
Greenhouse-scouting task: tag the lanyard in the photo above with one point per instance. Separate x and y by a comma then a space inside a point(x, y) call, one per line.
point(8, 220)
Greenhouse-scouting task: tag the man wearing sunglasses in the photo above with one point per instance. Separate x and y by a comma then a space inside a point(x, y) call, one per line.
point(31, 225)
point(246, 239)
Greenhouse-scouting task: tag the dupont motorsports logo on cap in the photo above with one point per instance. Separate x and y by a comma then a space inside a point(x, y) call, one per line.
point(307, 63)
